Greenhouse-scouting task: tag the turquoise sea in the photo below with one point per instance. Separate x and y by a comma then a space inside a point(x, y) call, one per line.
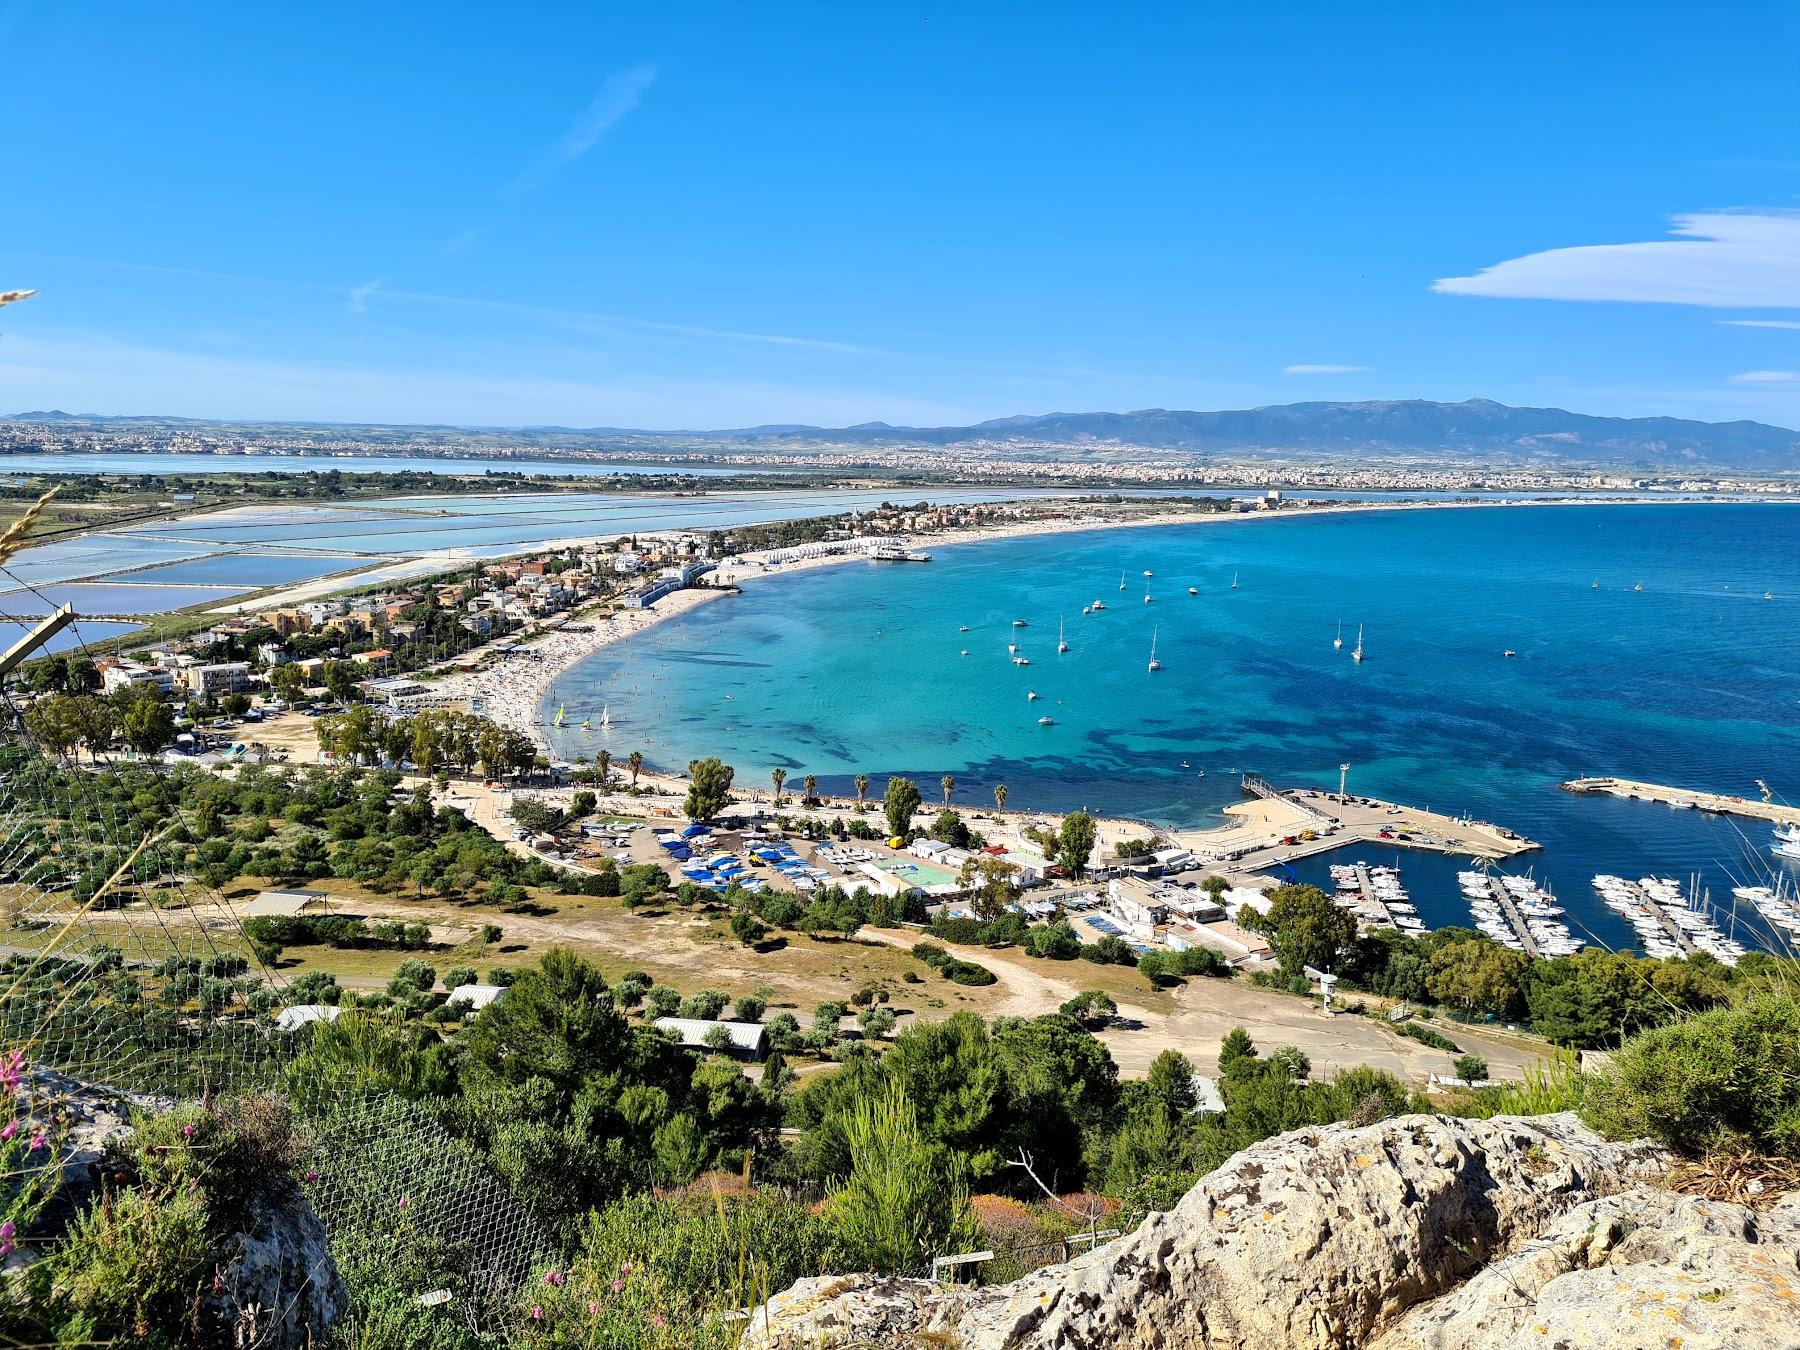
point(1694, 679)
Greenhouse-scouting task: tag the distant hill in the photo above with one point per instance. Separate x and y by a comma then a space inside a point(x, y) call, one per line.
point(1478, 429)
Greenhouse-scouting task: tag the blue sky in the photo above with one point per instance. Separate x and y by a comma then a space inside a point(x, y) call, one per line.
point(717, 215)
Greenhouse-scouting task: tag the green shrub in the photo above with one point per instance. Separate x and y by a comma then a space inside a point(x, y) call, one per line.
point(1425, 1035)
point(1717, 1080)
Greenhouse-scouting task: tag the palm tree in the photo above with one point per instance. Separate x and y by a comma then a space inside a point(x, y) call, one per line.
point(948, 783)
point(634, 761)
point(778, 777)
point(604, 759)
point(811, 784)
point(1000, 797)
point(862, 789)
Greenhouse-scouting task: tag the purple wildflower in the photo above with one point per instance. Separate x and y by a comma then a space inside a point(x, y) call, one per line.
point(7, 1245)
point(12, 1128)
point(12, 1069)
point(187, 1131)
point(554, 1278)
point(38, 1141)
point(312, 1174)
point(403, 1202)
point(537, 1312)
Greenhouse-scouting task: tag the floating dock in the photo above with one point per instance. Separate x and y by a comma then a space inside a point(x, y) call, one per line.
point(1514, 919)
point(1718, 802)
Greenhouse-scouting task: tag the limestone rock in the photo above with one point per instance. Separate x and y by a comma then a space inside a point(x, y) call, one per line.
point(277, 1288)
point(1645, 1268)
point(1313, 1240)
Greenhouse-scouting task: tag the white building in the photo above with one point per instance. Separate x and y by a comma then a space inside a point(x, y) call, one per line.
point(1138, 904)
point(745, 1038)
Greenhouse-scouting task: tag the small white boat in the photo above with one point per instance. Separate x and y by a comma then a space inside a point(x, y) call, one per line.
point(963, 629)
point(1121, 581)
point(1099, 605)
point(1509, 652)
point(1337, 643)
point(1148, 572)
point(1021, 660)
point(1020, 623)
point(1357, 653)
point(1193, 590)
point(1046, 721)
point(1146, 597)
point(1062, 644)
point(965, 651)
point(1154, 663)
point(1030, 695)
point(1234, 577)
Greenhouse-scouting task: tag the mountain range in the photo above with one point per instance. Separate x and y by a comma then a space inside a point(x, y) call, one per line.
point(1477, 429)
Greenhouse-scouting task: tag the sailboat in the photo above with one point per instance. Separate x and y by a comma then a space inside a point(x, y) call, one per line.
point(1146, 597)
point(1154, 663)
point(561, 712)
point(1121, 581)
point(1061, 644)
point(606, 716)
point(1337, 643)
point(1234, 577)
point(1357, 653)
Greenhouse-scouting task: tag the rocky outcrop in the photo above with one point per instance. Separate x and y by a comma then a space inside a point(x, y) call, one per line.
point(1314, 1240)
point(1642, 1268)
point(277, 1288)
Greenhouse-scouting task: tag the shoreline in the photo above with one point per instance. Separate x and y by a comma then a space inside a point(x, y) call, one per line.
point(518, 696)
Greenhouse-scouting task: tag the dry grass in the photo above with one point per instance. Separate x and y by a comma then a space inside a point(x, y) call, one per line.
point(1755, 1180)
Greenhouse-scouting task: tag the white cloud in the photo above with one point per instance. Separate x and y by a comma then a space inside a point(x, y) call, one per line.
point(1767, 377)
point(359, 295)
point(1323, 370)
point(1748, 259)
point(1761, 323)
point(617, 97)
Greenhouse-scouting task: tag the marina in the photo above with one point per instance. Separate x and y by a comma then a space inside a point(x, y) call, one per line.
point(1377, 898)
point(1518, 912)
point(1669, 921)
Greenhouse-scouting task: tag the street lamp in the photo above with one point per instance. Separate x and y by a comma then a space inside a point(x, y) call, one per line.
point(1343, 773)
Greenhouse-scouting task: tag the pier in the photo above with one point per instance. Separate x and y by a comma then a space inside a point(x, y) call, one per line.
point(1677, 934)
point(1284, 824)
point(1514, 919)
point(1371, 910)
point(1717, 802)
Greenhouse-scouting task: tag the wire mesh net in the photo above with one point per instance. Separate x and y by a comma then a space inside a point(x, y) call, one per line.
point(121, 968)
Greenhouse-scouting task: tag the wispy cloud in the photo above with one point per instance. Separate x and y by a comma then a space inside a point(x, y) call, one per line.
point(457, 242)
point(104, 375)
point(615, 101)
point(1761, 323)
point(357, 298)
point(1767, 377)
point(359, 295)
point(1323, 370)
point(1743, 259)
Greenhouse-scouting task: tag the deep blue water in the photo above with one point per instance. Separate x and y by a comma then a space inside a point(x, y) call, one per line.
point(1694, 680)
